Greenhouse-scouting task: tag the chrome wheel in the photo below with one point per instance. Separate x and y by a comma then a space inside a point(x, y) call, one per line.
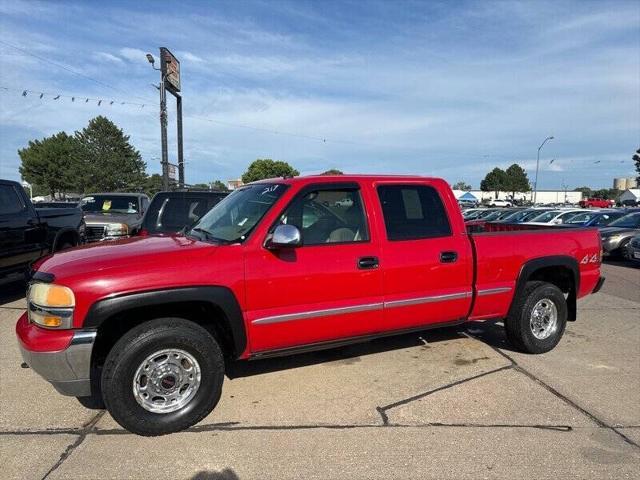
point(166, 381)
point(544, 319)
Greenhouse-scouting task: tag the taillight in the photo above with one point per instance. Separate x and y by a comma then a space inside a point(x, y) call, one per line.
point(143, 233)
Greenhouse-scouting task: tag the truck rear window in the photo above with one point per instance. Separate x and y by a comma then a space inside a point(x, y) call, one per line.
point(413, 212)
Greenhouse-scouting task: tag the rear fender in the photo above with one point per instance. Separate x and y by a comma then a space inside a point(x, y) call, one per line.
point(541, 268)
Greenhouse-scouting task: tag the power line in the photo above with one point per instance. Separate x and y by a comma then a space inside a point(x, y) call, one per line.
point(64, 67)
point(74, 98)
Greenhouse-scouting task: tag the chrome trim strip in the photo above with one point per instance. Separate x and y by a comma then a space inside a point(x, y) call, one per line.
point(317, 313)
point(359, 308)
point(430, 299)
point(493, 291)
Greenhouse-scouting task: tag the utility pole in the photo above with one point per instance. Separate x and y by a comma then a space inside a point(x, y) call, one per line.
point(169, 80)
point(180, 152)
point(535, 185)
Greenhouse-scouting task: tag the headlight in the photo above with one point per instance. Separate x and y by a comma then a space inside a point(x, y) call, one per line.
point(613, 238)
point(51, 305)
point(117, 229)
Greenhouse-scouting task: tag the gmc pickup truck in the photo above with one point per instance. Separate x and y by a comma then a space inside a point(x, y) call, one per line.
point(27, 233)
point(283, 266)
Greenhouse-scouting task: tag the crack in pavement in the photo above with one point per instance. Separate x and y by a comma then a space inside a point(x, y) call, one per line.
point(383, 410)
point(515, 366)
point(82, 434)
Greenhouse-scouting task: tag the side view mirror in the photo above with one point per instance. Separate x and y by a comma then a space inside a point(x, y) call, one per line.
point(557, 221)
point(285, 236)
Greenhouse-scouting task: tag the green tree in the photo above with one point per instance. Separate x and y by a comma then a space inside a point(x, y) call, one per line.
point(333, 171)
point(494, 181)
point(201, 186)
point(516, 180)
point(219, 186)
point(586, 191)
point(51, 164)
point(266, 168)
point(109, 162)
point(152, 184)
point(607, 193)
point(636, 159)
point(461, 185)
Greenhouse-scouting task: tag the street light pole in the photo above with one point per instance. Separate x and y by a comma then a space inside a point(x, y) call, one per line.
point(535, 185)
point(163, 124)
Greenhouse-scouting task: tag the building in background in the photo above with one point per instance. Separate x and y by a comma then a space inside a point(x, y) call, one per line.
point(623, 183)
point(630, 197)
point(233, 184)
point(543, 196)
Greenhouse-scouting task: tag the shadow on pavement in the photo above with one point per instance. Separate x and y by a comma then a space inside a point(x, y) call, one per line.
point(226, 474)
point(236, 369)
point(11, 292)
point(490, 332)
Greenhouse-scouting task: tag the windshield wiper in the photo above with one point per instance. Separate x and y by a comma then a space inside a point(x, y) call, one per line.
point(207, 235)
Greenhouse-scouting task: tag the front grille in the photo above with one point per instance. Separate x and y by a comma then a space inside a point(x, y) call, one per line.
point(95, 232)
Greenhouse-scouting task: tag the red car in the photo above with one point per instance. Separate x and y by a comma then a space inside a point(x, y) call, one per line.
point(283, 266)
point(596, 203)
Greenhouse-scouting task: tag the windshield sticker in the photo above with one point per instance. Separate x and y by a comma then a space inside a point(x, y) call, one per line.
point(270, 189)
point(106, 205)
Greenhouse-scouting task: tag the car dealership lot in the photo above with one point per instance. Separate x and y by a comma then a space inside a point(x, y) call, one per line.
point(448, 403)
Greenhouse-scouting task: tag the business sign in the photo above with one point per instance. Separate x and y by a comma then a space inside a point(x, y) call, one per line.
point(170, 68)
point(172, 172)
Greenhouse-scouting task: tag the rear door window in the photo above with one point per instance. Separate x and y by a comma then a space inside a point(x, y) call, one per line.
point(10, 201)
point(413, 212)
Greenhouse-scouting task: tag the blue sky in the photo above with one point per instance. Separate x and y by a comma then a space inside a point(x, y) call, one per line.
point(448, 89)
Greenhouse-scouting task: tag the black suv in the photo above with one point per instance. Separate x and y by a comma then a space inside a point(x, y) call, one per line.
point(170, 212)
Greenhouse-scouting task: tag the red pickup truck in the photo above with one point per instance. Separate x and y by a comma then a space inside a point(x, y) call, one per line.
point(596, 203)
point(283, 266)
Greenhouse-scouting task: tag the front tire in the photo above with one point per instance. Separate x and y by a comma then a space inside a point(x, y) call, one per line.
point(163, 376)
point(538, 318)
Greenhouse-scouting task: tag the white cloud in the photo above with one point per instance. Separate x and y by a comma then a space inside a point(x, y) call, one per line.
point(133, 54)
point(110, 57)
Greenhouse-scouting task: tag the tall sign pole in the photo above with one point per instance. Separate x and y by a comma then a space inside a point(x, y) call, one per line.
point(180, 152)
point(170, 68)
point(163, 133)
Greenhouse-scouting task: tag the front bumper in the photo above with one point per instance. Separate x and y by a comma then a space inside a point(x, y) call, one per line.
point(598, 286)
point(69, 369)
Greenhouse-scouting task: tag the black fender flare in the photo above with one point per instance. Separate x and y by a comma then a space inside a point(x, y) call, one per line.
point(220, 297)
point(564, 261)
point(60, 233)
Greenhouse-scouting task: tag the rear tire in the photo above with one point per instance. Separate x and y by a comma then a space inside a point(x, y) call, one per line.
point(537, 319)
point(162, 376)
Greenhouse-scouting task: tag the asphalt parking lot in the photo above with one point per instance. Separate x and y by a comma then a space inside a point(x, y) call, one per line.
point(448, 403)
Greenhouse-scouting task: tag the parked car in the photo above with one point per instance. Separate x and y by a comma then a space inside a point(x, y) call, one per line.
point(113, 216)
point(477, 224)
point(596, 203)
point(554, 217)
point(171, 212)
point(523, 215)
point(500, 203)
point(146, 323)
point(595, 218)
point(617, 235)
point(27, 233)
point(633, 249)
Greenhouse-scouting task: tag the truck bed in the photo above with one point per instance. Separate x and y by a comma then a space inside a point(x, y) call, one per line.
point(505, 249)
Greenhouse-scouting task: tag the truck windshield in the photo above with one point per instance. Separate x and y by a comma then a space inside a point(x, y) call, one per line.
point(233, 218)
point(109, 203)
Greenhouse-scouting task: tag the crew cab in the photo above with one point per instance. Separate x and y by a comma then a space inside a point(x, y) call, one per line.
point(27, 232)
point(596, 203)
point(283, 266)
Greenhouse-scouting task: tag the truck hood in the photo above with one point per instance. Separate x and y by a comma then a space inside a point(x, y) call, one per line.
point(136, 253)
point(609, 231)
point(108, 217)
